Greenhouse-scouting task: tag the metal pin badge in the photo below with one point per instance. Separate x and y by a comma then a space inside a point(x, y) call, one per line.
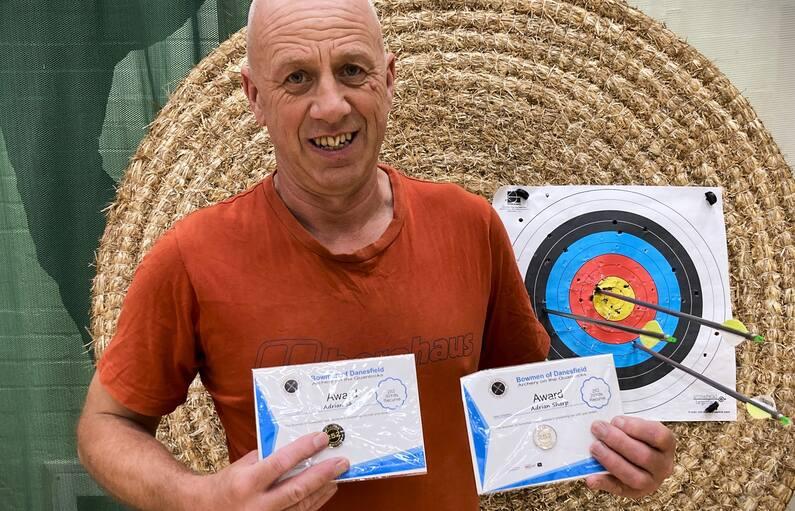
point(336, 435)
point(545, 437)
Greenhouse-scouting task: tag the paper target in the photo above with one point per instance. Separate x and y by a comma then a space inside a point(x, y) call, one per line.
point(661, 245)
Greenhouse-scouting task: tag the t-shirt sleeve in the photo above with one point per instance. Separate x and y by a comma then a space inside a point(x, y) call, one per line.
point(154, 355)
point(512, 335)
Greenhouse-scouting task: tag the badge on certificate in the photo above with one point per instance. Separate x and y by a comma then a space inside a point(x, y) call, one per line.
point(530, 424)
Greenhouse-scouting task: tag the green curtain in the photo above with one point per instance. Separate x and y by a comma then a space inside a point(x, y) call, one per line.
point(79, 83)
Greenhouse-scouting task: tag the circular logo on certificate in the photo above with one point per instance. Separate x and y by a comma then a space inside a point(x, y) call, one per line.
point(595, 392)
point(336, 435)
point(291, 386)
point(545, 437)
point(498, 388)
point(391, 393)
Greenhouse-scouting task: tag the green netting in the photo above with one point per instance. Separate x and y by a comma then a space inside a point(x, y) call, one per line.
point(79, 82)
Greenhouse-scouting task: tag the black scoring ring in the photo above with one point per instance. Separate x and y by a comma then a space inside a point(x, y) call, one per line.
point(686, 274)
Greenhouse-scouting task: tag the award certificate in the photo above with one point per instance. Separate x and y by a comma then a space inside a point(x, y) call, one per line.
point(530, 424)
point(369, 408)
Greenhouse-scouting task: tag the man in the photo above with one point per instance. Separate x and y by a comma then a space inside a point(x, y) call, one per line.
point(333, 257)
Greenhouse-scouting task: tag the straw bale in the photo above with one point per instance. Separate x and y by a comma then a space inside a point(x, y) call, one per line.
point(494, 92)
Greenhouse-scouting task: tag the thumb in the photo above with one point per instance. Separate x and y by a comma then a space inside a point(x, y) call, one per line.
point(284, 459)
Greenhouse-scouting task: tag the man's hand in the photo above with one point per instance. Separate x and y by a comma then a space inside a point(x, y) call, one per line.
point(639, 455)
point(250, 483)
point(139, 471)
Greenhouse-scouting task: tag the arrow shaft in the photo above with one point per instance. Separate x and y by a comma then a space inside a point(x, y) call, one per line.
point(710, 382)
point(586, 319)
point(677, 313)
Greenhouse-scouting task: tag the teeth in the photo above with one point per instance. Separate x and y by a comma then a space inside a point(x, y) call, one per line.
point(333, 142)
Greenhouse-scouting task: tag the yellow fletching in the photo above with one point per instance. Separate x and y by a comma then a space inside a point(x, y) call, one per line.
point(758, 413)
point(735, 324)
point(651, 326)
point(733, 339)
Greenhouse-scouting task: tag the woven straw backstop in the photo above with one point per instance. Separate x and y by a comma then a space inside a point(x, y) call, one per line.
point(518, 92)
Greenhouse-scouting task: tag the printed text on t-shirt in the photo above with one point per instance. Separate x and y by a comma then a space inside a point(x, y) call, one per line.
point(280, 352)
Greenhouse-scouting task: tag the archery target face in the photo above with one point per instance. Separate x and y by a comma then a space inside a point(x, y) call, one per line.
point(642, 242)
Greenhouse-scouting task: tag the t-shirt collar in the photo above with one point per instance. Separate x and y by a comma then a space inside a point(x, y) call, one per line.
point(294, 227)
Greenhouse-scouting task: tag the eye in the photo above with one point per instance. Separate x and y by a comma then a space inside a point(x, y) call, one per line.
point(296, 78)
point(352, 71)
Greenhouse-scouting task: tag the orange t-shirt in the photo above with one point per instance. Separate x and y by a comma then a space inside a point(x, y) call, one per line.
point(242, 285)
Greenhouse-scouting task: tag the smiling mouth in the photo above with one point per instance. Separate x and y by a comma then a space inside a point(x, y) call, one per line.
point(334, 143)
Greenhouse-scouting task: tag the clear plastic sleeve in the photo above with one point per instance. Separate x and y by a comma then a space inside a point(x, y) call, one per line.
point(530, 424)
point(368, 407)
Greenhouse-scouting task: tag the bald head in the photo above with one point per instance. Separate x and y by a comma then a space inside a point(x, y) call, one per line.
point(257, 4)
point(266, 16)
point(319, 80)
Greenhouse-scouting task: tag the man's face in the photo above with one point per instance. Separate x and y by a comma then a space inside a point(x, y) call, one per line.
point(321, 83)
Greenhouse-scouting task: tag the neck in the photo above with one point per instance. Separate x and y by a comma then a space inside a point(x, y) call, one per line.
point(341, 223)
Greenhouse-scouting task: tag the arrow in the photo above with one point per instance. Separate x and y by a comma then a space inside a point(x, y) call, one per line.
point(783, 419)
point(731, 326)
point(618, 326)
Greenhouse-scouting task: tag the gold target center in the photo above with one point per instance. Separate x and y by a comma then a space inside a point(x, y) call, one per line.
point(614, 309)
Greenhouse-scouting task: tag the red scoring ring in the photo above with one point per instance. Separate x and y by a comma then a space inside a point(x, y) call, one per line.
point(586, 280)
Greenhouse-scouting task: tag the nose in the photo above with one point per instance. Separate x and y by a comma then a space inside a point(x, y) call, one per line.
point(330, 104)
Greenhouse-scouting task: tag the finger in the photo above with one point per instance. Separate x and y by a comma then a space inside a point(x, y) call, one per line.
point(627, 473)
point(284, 459)
point(638, 453)
point(296, 489)
point(610, 484)
point(250, 458)
point(316, 500)
point(649, 432)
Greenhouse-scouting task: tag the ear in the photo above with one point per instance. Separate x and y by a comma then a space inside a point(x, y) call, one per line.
point(390, 77)
point(252, 93)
